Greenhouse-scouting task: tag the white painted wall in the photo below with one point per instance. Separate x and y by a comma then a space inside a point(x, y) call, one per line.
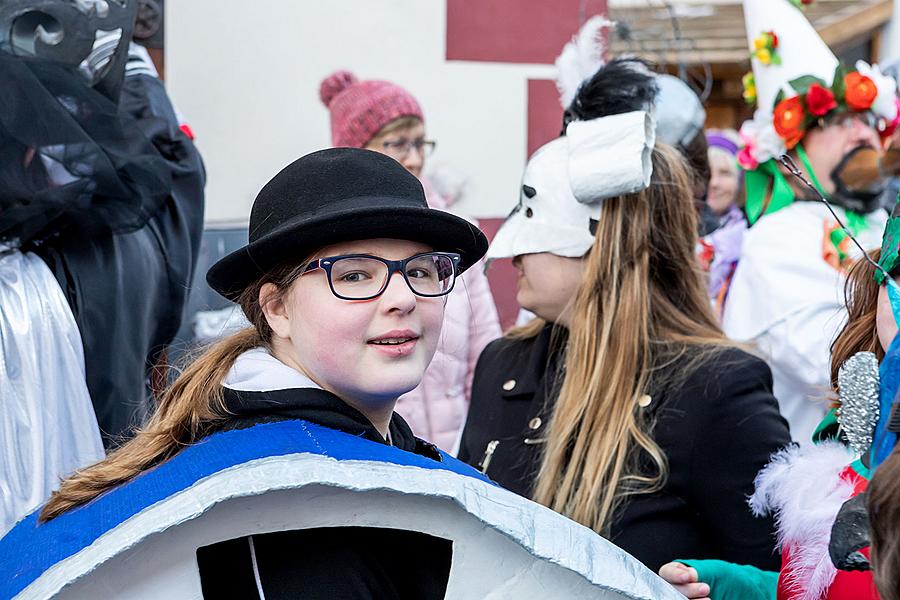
point(246, 76)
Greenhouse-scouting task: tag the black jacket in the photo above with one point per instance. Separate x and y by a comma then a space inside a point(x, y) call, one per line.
point(127, 289)
point(718, 428)
point(328, 562)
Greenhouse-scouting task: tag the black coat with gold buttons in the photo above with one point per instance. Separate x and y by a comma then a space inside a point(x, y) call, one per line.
point(509, 411)
point(717, 427)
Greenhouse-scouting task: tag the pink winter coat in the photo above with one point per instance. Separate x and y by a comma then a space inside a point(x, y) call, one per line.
point(437, 408)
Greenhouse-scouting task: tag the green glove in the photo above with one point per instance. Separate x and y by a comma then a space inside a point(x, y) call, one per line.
point(730, 581)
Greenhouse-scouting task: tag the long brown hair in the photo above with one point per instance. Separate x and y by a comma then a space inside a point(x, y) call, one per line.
point(186, 410)
point(859, 334)
point(642, 297)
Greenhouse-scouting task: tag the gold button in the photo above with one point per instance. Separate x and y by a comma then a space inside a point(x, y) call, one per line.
point(534, 423)
point(644, 401)
point(509, 385)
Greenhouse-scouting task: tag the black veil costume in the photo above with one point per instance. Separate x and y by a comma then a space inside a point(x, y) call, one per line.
point(97, 179)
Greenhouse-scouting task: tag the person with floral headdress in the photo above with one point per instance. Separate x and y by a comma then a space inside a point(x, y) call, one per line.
point(384, 117)
point(785, 293)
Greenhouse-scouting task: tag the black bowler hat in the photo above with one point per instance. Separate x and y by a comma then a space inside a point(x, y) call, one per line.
point(339, 195)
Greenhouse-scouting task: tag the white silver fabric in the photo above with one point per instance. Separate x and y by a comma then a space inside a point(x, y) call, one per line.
point(504, 546)
point(610, 156)
point(566, 181)
point(551, 220)
point(47, 423)
point(859, 382)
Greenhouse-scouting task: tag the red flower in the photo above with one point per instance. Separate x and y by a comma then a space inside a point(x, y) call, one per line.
point(706, 253)
point(788, 119)
point(774, 39)
point(819, 100)
point(861, 91)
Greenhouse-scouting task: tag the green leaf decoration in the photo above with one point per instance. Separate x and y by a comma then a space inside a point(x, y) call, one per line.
point(836, 237)
point(889, 247)
point(801, 84)
point(809, 120)
point(838, 88)
point(779, 97)
point(890, 244)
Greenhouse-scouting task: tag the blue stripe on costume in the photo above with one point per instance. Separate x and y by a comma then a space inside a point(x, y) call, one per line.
point(889, 373)
point(30, 549)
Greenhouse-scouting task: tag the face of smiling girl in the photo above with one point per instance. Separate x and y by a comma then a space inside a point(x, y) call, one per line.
point(367, 352)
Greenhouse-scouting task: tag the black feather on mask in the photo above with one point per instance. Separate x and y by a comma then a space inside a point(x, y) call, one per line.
point(620, 86)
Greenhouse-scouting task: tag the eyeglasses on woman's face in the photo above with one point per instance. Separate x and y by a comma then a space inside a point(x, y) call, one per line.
point(399, 149)
point(364, 277)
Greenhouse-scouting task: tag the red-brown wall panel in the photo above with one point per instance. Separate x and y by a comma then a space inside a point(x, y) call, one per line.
point(517, 31)
point(502, 277)
point(544, 113)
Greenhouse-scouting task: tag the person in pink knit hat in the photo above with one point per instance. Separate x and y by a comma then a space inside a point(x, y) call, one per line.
point(384, 117)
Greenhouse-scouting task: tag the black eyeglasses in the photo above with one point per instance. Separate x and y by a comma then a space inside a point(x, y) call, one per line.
point(364, 277)
point(400, 149)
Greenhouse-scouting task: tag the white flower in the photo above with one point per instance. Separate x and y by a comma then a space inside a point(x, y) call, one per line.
point(885, 104)
point(760, 139)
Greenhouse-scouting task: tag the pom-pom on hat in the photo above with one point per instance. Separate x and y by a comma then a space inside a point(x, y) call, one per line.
point(359, 109)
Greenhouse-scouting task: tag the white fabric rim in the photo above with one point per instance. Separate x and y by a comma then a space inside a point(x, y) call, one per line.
point(540, 531)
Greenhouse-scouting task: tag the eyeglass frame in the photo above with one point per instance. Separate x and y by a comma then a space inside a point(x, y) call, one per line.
point(845, 119)
point(394, 266)
point(407, 145)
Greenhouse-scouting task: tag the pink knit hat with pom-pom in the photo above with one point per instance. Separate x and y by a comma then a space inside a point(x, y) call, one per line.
point(359, 109)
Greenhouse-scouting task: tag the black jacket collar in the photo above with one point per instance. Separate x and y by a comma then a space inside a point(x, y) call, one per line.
point(248, 408)
point(545, 356)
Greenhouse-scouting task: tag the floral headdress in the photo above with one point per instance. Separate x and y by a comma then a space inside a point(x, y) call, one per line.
point(865, 89)
point(797, 83)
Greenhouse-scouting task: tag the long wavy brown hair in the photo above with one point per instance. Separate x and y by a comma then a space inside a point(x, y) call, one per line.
point(642, 299)
point(883, 492)
point(859, 334)
point(186, 411)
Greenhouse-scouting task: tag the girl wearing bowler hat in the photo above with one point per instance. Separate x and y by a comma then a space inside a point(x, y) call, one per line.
point(344, 281)
point(384, 117)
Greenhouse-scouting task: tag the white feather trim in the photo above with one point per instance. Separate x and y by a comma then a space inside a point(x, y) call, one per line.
point(580, 59)
point(803, 488)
